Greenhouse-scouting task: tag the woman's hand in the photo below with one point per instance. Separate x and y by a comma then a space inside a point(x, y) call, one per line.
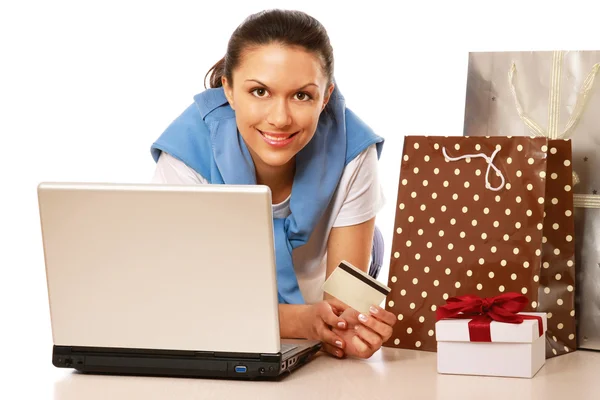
point(319, 319)
point(366, 333)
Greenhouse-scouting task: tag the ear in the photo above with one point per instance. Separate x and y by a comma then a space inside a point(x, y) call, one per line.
point(228, 91)
point(327, 96)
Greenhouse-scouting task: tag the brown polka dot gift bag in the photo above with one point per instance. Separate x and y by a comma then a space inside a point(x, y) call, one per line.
point(482, 216)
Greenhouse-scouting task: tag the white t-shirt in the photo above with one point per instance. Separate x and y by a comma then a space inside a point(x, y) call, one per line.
point(358, 198)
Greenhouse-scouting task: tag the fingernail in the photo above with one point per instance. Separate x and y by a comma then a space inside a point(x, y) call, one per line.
point(341, 325)
point(338, 353)
point(362, 317)
point(356, 327)
point(338, 344)
point(373, 310)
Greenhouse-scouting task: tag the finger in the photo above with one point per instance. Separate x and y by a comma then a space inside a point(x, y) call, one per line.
point(383, 330)
point(337, 304)
point(383, 315)
point(329, 337)
point(351, 316)
point(329, 317)
point(333, 350)
point(337, 311)
point(368, 336)
point(361, 347)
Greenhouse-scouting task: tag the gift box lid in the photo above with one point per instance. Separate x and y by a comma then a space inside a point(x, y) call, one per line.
point(457, 330)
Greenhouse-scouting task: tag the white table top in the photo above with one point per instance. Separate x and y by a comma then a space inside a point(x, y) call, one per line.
point(26, 370)
point(390, 373)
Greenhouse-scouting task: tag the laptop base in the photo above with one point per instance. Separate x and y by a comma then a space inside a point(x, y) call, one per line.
point(190, 364)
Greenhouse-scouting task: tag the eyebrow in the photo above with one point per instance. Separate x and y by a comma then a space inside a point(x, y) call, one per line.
point(303, 87)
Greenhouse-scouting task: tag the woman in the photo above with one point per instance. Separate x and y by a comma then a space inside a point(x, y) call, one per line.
point(274, 117)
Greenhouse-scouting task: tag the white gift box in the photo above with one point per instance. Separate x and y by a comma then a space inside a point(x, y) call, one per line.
point(516, 350)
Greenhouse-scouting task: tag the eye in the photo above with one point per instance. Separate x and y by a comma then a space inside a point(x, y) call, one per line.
point(259, 92)
point(303, 96)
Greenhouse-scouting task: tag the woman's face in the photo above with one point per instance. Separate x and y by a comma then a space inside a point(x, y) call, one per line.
point(278, 93)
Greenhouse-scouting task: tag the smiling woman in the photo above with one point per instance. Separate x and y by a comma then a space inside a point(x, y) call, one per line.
point(274, 116)
point(282, 104)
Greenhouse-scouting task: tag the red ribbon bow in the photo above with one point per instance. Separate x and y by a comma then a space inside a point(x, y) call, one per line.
point(503, 308)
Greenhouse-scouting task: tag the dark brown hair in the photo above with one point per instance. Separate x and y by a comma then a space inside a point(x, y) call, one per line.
point(289, 28)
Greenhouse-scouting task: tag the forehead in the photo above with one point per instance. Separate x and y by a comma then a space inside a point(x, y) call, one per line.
point(280, 66)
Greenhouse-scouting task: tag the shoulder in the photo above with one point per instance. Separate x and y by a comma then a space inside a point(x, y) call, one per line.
point(188, 129)
point(360, 196)
point(366, 159)
point(360, 175)
point(170, 170)
point(208, 106)
point(188, 137)
point(360, 137)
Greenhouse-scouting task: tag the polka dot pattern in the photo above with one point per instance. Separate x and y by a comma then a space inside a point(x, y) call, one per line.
point(466, 222)
point(558, 248)
point(556, 277)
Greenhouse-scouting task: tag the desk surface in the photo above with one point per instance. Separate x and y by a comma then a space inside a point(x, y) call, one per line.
point(390, 373)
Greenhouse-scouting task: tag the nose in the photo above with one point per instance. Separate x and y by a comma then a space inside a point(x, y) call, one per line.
point(279, 115)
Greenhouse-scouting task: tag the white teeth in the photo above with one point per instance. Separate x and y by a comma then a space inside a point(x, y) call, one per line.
point(276, 138)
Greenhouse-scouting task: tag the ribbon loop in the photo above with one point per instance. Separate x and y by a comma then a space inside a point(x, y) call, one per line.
point(502, 308)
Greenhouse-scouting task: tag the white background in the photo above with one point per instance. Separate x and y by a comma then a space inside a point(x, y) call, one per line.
point(86, 87)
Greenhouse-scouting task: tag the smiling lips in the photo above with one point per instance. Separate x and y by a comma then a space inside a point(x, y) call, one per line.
point(277, 139)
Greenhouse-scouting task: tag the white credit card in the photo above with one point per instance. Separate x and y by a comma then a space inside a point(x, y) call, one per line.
point(355, 288)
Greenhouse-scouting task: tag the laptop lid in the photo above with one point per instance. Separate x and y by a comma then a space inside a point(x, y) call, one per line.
point(161, 266)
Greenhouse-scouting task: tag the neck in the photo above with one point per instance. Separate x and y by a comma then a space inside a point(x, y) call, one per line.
point(278, 179)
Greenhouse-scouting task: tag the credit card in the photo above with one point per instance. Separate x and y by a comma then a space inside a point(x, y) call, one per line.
point(355, 288)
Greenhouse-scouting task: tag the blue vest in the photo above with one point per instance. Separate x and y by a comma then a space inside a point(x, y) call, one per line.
point(205, 137)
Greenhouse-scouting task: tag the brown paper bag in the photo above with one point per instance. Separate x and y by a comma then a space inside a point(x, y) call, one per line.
point(556, 294)
point(461, 229)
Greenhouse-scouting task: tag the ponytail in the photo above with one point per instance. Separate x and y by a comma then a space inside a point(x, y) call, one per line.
point(216, 73)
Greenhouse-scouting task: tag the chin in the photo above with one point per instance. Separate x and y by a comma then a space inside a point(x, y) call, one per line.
point(273, 159)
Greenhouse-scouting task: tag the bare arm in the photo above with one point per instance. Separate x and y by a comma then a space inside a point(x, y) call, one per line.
point(350, 243)
point(369, 332)
point(290, 321)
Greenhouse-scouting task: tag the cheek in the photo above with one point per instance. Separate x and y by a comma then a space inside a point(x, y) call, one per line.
point(249, 113)
point(307, 118)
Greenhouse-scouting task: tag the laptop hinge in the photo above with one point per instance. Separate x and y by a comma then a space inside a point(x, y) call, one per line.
point(270, 357)
point(237, 355)
point(204, 353)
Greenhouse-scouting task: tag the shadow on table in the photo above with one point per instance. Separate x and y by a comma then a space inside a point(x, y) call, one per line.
point(78, 385)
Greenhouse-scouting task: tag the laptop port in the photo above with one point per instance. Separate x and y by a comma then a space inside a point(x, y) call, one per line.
point(261, 370)
point(241, 369)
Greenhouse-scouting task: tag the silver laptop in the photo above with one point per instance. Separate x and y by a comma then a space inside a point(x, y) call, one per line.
point(164, 280)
